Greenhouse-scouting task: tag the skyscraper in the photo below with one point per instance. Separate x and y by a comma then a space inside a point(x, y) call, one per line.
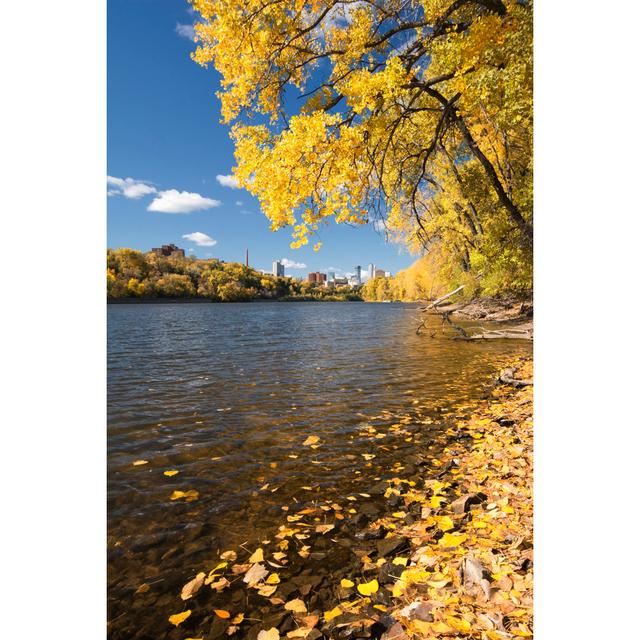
point(371, 270)
point(331, 276)
point(277, 268)
point(358, 274)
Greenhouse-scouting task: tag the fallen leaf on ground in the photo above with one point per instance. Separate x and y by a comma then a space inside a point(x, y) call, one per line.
point(229, 555)
point(368, 588)
point(452, 539)
point(172, 472)
point(271, 634)
point(222, 613)
point(346, 584)
point(333, 613)
point(297, 606)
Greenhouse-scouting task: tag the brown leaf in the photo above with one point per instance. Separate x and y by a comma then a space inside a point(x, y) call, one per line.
point(193, 586)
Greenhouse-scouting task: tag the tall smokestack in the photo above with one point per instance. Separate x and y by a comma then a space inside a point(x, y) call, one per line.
point(247, 258)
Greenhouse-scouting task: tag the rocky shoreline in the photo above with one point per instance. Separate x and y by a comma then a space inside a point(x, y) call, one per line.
point(441, 549)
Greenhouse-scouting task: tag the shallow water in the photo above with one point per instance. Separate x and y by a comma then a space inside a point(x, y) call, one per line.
point(226, 394)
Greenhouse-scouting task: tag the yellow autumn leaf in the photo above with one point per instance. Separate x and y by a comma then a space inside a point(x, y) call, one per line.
point(297, 606)
point(346, 584)
point(459, 624)
point(311, 440)
point(238, 619)
point(334, 613)
point(256, 556)
point(437, 501)
point(189, 496)
point(172, 472)
point(274, 578)
point(177, 618)
point(401, 561)
point(137, 463)
point(271, 634)
point(368, 588)
point(222, 613)
point(444, 523)
point(452, 539)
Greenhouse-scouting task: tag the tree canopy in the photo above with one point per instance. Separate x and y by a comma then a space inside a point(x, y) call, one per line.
point(412, 114)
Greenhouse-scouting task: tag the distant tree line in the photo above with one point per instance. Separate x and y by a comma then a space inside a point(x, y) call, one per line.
point(133, 274)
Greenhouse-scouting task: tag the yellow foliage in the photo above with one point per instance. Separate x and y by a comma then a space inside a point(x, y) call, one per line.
point(417, 115)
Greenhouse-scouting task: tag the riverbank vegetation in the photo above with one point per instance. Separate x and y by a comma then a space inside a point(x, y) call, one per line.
point(414, 116)
point(433, 275)
point(441, 547)
point(135, 275)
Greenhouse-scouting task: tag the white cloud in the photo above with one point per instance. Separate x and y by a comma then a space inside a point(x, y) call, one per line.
point(174, 201)
point(185, 30)
point(291, 264)
point(129, 188)
point(380, 226)
point(238, 203)
point(228, 181)
point(201, 239)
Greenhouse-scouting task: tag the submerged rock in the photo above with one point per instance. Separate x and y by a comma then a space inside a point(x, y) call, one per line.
point(393, 544)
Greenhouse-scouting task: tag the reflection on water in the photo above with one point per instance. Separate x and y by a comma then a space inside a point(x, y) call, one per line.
point(226, 394)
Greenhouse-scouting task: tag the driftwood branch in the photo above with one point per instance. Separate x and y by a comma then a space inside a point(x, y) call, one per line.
point(502, 334)
point(506, 377)
point(445, 315)
point(440, 300)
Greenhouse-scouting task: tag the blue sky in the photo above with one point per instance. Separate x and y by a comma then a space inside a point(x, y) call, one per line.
point(166, 146)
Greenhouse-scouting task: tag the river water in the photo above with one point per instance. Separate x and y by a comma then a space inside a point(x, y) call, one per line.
point(226, 394)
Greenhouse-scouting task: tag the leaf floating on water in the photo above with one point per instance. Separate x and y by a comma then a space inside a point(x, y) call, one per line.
point(324, 528)
point(189, 496)
point(238, 619)
point(368, 456)
point(368, 588)
point(171, 473)
point(255, 574)
point(267, 590)
point(256, 556)
point(271, 634)
point(222, 613)
point(143, 588)
point(178, 618)
point(193, 586)
point(137, 463)
point(297, 606)
point(220, 585)
point(311, 440)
